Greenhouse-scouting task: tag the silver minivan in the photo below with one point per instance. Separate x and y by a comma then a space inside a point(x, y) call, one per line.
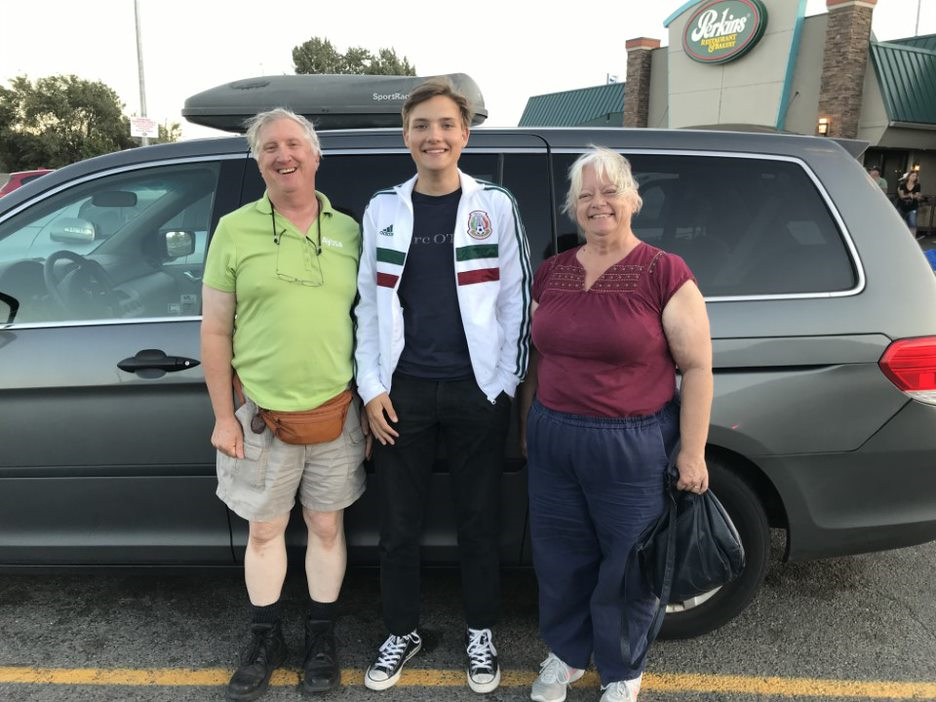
point(822, 307)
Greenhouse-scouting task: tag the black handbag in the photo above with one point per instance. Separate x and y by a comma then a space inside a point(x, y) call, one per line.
point(691, 549)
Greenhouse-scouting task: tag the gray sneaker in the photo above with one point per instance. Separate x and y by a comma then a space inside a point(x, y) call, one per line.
point(553, 680)
point(621, 691)
point(392, 655)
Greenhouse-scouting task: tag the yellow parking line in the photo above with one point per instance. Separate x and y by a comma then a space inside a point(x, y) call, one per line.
point(792, 687)
point(414, 677)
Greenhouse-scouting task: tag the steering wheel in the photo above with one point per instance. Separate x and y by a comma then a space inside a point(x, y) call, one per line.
point(84, 287)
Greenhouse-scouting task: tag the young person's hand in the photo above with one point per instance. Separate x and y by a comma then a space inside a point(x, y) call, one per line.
point(379, 411)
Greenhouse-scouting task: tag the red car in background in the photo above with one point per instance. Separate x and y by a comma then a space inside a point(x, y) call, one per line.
point(21, 178)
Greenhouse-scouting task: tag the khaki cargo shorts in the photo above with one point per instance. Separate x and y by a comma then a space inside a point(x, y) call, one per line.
point(263, 485)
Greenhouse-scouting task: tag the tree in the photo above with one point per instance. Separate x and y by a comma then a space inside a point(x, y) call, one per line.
point(317, 56)
point(59, 120)
point(169, 133)
point(386, 63)
point(355, 60)
point(320, 56)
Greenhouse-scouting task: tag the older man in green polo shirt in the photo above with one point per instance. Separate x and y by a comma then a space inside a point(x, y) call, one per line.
point(279, 284)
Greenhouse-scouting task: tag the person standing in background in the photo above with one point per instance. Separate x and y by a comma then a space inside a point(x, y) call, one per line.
point(875, 174)
point(909, 196)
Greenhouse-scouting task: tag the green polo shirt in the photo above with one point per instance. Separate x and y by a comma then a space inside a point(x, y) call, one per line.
point(293, 333)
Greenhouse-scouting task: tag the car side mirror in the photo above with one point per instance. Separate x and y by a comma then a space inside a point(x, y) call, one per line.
point(177, 244)
point(72, 230)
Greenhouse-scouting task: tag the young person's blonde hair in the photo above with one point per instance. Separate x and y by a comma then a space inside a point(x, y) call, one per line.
point(437, 87)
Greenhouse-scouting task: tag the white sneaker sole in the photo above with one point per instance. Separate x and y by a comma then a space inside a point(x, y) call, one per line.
point(372, 684)
point(483, 688)
point(565, 690)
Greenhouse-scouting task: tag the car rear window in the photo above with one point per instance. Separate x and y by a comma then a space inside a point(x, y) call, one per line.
point(746, 226)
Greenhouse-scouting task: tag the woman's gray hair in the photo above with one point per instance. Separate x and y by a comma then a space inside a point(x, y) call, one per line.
point(609, 166)
point(263, 119)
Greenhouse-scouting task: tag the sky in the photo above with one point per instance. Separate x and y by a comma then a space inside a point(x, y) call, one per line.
point(512, 48)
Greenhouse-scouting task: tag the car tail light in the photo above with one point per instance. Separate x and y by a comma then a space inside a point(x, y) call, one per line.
point(910, 364)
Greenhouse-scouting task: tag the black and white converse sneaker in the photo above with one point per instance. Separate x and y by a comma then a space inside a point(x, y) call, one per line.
point(483, 670)
point(391, 657)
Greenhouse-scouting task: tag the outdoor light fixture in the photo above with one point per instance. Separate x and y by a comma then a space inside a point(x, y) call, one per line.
point(822, 126)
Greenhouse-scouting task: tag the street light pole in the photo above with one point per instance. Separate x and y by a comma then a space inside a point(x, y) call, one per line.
point(916, 27)
point(139, 45)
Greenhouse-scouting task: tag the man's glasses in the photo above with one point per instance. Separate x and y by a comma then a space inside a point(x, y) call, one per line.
point(297, 259)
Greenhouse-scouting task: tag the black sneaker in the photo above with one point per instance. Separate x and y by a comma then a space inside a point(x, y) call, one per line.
point(320, 671)
point(393, 654)
point(266, 652)
point(483, 670)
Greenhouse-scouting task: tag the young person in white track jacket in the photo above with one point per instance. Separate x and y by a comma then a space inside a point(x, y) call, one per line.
point(443, 328)
point(492, 275)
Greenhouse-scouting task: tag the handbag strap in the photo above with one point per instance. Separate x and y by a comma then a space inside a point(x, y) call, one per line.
point(667, 585)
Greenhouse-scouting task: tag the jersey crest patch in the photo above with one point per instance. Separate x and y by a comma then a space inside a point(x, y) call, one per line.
point(479, 224)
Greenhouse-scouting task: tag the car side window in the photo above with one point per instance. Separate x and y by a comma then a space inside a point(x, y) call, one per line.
point(745, 226)
point(526, 176)
point(122, 246)
point(349, 180)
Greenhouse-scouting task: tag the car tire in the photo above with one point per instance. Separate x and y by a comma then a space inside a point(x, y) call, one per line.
point(712, 610)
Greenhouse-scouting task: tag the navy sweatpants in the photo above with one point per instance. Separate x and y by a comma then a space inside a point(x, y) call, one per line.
point(595, 484)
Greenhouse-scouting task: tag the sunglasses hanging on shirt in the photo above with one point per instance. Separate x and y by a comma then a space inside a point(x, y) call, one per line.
point(318, 229)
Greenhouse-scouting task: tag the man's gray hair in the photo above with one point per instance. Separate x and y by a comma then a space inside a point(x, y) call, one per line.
point(256, 123)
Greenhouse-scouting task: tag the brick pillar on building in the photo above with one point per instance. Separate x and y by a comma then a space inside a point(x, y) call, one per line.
point(844, 62)
point(637, 87)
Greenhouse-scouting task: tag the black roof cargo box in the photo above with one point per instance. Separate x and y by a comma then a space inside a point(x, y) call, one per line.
point(329, 101)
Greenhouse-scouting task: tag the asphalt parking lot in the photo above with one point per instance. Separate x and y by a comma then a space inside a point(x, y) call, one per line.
point(844, 629)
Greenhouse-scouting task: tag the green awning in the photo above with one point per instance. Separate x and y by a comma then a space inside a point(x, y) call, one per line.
point(601, 105)
point(907, 76)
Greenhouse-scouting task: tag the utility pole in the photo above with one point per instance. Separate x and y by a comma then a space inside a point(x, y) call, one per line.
point(916, 27)
point(139, 45)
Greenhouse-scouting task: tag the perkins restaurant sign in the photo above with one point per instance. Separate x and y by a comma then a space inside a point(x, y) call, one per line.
point(723, 30)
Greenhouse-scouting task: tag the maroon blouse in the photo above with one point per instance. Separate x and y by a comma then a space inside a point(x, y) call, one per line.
point(602, 352)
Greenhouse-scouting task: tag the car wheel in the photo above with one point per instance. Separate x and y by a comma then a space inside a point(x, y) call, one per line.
point(713, 609)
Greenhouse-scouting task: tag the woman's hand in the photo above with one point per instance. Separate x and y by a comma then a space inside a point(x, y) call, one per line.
point(693, 473)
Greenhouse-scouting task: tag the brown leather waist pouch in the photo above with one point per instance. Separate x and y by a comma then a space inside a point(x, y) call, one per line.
point(314, 426)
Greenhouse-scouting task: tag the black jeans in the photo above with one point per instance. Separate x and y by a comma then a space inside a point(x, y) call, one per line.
point(475, 432)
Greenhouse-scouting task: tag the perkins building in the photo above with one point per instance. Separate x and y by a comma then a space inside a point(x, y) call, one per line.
point(764, 65)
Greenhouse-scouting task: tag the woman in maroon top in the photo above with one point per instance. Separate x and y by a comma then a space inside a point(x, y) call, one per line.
point(612, 321)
